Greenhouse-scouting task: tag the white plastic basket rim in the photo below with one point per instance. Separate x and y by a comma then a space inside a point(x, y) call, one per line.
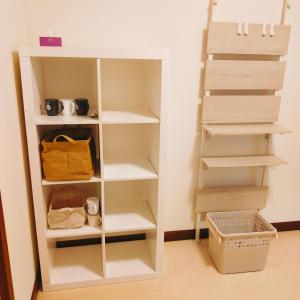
point(215, 230)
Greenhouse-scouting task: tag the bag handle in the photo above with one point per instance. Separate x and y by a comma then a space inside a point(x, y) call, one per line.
point(66, 137)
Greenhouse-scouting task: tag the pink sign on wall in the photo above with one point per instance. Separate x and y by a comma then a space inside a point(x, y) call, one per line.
point(50, 41)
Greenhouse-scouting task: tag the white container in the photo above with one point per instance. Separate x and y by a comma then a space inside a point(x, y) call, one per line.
point(93, 205)
point(94, 220)
point(239, 241)
point(68, 107)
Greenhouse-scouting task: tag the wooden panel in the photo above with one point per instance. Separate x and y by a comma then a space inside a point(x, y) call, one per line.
point(224, 38)
point(242, 161)
point(244, 75)
point(240, 109)
point(244, 129)
point(227, 199)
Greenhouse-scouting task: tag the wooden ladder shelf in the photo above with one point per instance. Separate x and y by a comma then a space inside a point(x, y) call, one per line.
point(243, 75)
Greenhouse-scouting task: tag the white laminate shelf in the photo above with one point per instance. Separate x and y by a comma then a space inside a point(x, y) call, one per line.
point(244, 129)
point(128, 215)
point(242, 161)
point(64, 120)
point(76, 264)
point(82, 231)
point(128, 169)
point(93, 179)
point(128, 259)
point(128, 117)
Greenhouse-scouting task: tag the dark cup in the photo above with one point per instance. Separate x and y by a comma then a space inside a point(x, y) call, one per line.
point(53, 107)
point(82, 106)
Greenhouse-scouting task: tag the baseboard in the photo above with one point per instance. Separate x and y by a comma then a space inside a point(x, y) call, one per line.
point(287, 226)
point(180, 235)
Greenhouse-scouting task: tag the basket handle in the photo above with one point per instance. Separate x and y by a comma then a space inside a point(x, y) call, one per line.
point(66, 137)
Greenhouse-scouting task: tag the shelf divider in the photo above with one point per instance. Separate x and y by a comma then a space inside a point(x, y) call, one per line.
point(242, 161)
point(128, 117)
point(76, 232)
point(102, 187)
point(244, 129)
point(94, 179)
point(128, 169)
point(64, 120)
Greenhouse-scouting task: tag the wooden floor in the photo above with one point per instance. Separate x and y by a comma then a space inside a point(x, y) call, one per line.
point(190, 275)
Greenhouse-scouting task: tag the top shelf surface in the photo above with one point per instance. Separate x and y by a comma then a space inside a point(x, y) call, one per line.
point(245, 129)
point(36, 51)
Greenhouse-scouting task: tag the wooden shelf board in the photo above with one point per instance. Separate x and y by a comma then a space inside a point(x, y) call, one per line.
point(82, 231)
point(61, 120)
point(91, 180)
point(128, 215)
point(242, 161)
point(244, 129)
point(128, 169)
point(128, 117)
point(231, 198)
point(128, 259)
point(76, 264)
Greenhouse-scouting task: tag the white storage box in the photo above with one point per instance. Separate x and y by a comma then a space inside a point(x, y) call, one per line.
point(239, 241)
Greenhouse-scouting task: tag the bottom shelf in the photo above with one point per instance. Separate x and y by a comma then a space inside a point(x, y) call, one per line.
point(128, 259)
point(76, 264)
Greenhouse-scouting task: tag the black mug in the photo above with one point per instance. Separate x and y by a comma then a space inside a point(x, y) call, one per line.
point(53, 107)
point(82, 106)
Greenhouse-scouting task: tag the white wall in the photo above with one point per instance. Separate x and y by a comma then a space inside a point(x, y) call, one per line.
point(178, 25)
point(14, 185)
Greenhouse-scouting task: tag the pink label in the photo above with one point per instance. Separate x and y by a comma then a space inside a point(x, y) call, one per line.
point(50, 41)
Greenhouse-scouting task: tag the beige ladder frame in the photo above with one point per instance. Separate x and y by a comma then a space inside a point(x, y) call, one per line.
point(204, 136)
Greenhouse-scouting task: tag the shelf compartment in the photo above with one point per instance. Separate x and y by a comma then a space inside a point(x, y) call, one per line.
point(64, 120)
point(128, 169)
point(76, 232)
point(94, 179)
point(76, 264)
point(57, 77)
point(128, 215)
point(128, 117)
point(245, 129)
point(128, 259)
point(242, 161)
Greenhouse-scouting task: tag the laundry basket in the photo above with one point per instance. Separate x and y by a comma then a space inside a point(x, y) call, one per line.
point(239, 241)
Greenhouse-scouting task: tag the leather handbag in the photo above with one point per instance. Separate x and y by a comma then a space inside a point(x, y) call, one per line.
point(67, 159)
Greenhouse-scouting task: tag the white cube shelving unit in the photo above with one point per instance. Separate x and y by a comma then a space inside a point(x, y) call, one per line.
point(128, 90)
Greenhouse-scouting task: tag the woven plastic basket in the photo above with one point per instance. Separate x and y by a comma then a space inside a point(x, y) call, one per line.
point(239, 241)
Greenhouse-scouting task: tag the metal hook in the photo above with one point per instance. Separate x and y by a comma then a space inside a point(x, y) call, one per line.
point(246, 29)
point(272, 30)
point(240, 28)
point(264, 30)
